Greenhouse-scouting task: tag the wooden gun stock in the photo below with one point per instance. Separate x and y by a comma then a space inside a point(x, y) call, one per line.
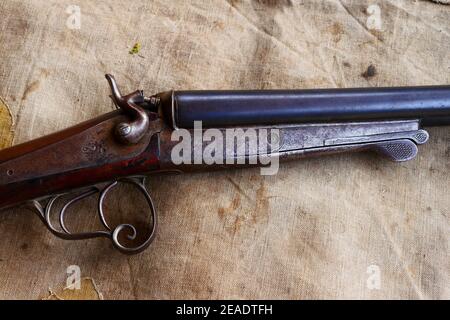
point(80, 156)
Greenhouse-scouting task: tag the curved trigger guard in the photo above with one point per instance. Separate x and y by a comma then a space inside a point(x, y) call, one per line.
point(63, 232)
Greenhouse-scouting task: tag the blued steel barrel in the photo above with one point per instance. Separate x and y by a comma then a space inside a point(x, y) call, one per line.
point(430, 104)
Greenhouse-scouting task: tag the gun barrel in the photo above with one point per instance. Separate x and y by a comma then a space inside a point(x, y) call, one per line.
point(430, 104)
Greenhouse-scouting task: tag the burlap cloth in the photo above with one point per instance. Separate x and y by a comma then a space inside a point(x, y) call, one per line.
point(318, 229)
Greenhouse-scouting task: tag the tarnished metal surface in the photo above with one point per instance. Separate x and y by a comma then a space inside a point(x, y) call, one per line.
point(397, 140)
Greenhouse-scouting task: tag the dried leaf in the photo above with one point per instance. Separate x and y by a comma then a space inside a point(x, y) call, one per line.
point(6, 123)
point(136, 48)
point(88, 291)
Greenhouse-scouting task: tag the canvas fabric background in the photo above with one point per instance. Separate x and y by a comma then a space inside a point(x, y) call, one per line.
point(315, 230)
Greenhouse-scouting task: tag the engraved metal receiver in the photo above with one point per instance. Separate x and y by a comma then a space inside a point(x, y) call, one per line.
point(126, 145)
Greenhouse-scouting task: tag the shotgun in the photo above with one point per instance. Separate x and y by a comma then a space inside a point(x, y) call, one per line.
point(184, 131)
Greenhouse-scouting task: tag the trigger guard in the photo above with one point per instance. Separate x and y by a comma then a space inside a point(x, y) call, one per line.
point(44, 213)
point(122, 227)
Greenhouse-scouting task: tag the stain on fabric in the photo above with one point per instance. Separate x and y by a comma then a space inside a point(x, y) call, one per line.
point(88, 291)
point(6, 124)
point(276, 3)
point(232, 207)
point(238, 188)
point(32, 87)
point(18, 24)
point(44, 72)
point(263, 52)
point(261, 203)
point(377, 34)
point(336, 30)
point(248, 213)
point(370, 72)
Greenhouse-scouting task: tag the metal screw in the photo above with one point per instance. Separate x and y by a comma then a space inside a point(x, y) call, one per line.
point(153, 100)
point(123, 129)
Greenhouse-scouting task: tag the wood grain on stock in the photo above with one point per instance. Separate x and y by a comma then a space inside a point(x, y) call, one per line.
point(79, 156)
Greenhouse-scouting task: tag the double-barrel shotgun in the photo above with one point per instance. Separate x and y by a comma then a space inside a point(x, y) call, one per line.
point(181, 131)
